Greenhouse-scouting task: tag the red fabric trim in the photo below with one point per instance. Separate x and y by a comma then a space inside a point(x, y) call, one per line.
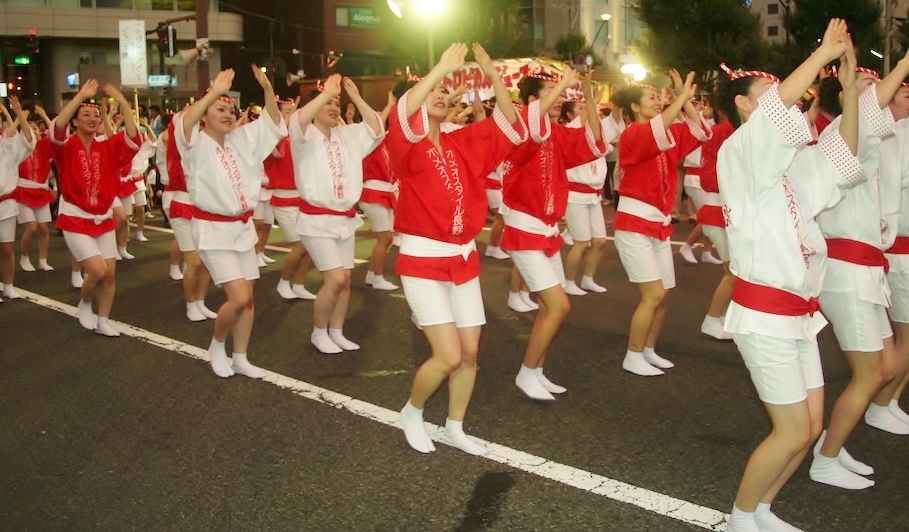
point(33, 198)
point(386, 199)
point(493, 184)
point(695, 170)
point(635, 224)
point(212, 217)
point(11, 196)
point(447, 269)
point(284, 202)
point(900, 246)
point(772, 300)
point(126, 188)
point(517, 240)
point(309, 208)
point(84, 226)
point(711, 215)
point(856, 252)
point(584, 189)
point(181, 210)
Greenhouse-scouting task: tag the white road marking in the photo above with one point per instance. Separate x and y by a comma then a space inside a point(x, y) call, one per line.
point(651, 501)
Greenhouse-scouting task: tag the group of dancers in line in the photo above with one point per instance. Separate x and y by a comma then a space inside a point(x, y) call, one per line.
point(806, 217)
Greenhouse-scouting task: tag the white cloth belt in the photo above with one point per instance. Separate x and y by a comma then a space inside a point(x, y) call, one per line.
point(712, 198)
point(527, 223)
point(285, 193)
point(418, 246)
point(71, 210)
point(643, 210)
point(381, 186)
point(28, 183)
point(181, 196)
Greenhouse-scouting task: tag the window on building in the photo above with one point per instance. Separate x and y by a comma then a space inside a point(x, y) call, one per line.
point(342, 17)
point(68, 3)
point(157, 5)
point(773, 9)
point(119, 4)
point(773, 31)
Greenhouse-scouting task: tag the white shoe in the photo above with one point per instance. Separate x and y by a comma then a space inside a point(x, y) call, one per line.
point(517, 304)
point(527, 382)
point(267, 259)
point(525, 297)
point(708, 258)
point(688, 254)
point(588, 284)
point(126, 255)
point(572, 289)
point(881, 418)
point(713, 326)
point(567, 238)
point(635, 363)
point(302, 292)
point(656, 360)
point(140, 237)
point(26, 264)
point(380, 283)
point(496, 252)
point(44, 266)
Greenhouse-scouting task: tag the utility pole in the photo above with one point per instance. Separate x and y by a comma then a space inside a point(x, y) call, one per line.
point(888, 31)
point(202, 74)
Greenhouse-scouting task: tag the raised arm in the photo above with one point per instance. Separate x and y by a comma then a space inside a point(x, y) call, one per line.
point(268, 95)
point(149, 131)
point(452, 59)
point(194, 113)
point(126, 112)
point(832, 46)
point(88, 90)
point(687, 107)
point(850, 121)
point(503, 97)
point(330, 89)
point(368, 113)
point(683, 95)
point(39, 110)
point(888, 86)
point(388, 106)
point(22, 116)
point(569, 79)
point(592, 97)
point(9, 125)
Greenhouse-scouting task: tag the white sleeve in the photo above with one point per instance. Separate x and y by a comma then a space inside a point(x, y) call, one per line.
point(362, 137)
point(262, 135)
point(185, 145)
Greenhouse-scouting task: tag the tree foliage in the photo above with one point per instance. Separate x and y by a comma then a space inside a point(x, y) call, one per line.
point(808, 19)
point(699, 34)
point(571, 44)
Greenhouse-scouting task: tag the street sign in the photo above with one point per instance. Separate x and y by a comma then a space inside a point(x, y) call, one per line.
point(363, 17)
point(22, 60)
point(162, 80)
point(133, 61)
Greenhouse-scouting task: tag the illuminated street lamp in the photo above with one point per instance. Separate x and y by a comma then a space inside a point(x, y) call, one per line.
point(428, 9)
point(605, 18)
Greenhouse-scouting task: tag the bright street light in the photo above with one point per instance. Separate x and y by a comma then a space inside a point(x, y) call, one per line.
point(635, 70)
point(877, 54)
point(430, 8)
point(395, 7)
point(605, 16)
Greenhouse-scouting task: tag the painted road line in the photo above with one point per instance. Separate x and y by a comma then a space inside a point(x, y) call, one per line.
point(651, 501)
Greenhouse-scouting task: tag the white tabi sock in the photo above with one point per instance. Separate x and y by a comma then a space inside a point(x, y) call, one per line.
point(550, 386)
point(207, 312)
point(380, 283)
point(831, 471)
point(323, 343)
point(86, 315)
point(895, 409)
point(125, 254)
point(9, 292)
point(769, 522)
point(337, 336)
point(242, 366)
point(175, 272)
point(26, 264)
point(104, 327)
point(44, 266)
point(741, 521)
point(414, 430)
point(634, 363)
point(455, 436)
point(880, 417)
point(588, 284)
point(656, 360)
point(218, 356)
point(370, 276)
point(525, 297)
point(285, 291)
point(302, 292)
point(528, 383)
point(140, 236)
point(193, 313)
point(572, 289)
point(845, 459)
point(517, 304)
point(75, 278)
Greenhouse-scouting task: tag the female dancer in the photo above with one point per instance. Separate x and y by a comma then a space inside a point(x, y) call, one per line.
point(34, 196)
point(13, 150)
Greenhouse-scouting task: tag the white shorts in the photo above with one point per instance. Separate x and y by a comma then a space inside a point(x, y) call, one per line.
point(859, 326)
point(539, 271)
point(287, 221)
point(585, 222)
point(494, 198)
point(42, 214)
point(899, 296)
point(166, 198)
point(697, 195)
point(8, 229)
point(381, 218)
point(717, 236)
point(330, 253)
point(140, 199)
point(645, 258)
point(782, 369)
point(227, 265)
point(437, 302)
point(183, 234)
point(85, 247)
point(264, 213)
point(127, 203)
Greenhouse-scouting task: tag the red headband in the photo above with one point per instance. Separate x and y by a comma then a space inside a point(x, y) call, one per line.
point(413, 77)
point(282, 101)
point(644, 86)
point(870, 71)
point(539, 73)
point(739, 74)
point(90, 105)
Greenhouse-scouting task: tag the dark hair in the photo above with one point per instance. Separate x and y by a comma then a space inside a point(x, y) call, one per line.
point(828, 95)
point(154, 108)
point(530, 87)
point(166, 119)
point(726, 97)
point(567, 110)
point(626, 96)
point(402, 87)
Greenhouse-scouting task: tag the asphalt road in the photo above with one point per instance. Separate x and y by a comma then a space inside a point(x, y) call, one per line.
point(136, 433)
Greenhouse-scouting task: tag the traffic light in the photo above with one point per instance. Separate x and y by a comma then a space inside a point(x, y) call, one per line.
point(167, 39)
point(31, 41)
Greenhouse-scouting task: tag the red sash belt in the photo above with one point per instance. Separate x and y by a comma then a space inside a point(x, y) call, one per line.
point(181, 210)
point(711, 215)
point(772, 300)
point(212, 217)
point(284, 202)
point(493, 184)
point(635, 224)
point(694, 170)
point(856, 252)
point(309, 208)
point(900, 246)
point(7, 196)
point(584, 189)
point(137, 178)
